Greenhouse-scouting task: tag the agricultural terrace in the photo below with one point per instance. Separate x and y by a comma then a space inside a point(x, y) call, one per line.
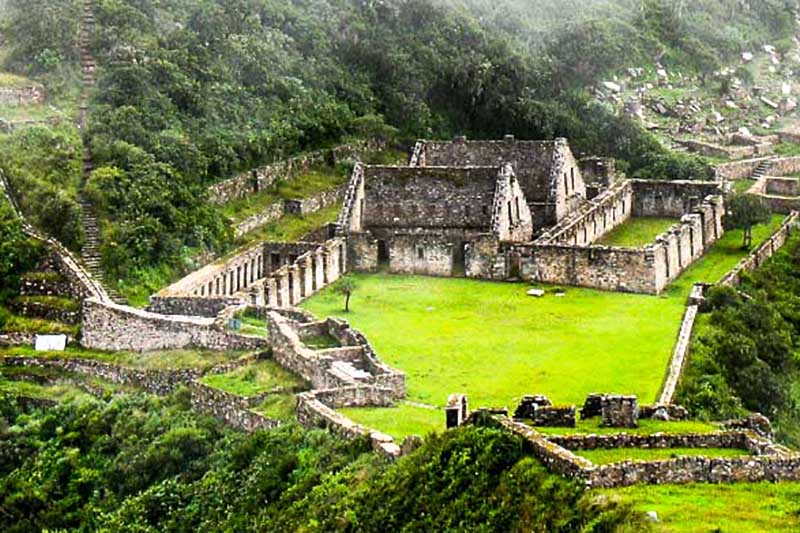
point(494, 343)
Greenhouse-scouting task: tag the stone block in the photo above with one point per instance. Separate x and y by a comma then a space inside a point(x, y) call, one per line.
point(620, 411)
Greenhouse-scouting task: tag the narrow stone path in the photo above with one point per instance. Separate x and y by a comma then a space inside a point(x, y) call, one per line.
point(90, 253)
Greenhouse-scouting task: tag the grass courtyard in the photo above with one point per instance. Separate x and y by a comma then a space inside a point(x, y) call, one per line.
point(495, 344)
point(637, 232)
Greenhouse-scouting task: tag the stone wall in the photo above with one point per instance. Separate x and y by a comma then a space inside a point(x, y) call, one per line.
point(645, 270)
point(727, 151)
point(316, 409)
point(679, 355)
point(760, 255)
point(45, 311)
point(670, 199)
point(594, 219)
point(111, 327)
point(22, 96)
point(229, 408)
point(274, 274)
point(259, 179)
point(275, 211)
point(738, 170)
point(561, 460)
point(17, 338)
point(354, 364)
point(783, 186)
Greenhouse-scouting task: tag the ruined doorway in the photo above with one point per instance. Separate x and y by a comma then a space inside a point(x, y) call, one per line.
point(514, 264)
point(460, 260)
point(383, 254)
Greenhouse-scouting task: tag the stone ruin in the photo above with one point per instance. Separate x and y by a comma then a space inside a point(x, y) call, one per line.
point(507, 210)
point(457, 410)
point(541, 412)
point(616, 410)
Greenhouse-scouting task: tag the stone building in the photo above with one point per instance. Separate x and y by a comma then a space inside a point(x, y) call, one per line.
point(432, 220)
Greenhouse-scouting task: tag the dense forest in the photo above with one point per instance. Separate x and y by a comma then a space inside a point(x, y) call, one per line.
point(192, 92)
point(148, 465)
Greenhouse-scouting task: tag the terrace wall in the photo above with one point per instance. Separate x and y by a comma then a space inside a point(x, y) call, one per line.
point(111, 327)
point(254, 181)
point(22, 96)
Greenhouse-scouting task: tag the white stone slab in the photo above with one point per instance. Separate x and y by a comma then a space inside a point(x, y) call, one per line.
point(51, 343)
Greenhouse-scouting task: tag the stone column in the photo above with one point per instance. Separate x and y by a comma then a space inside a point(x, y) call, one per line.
point(283, 289)
point(271, 295)
point(308, 276)
point(297, 281)
point(319, 268)
point(333, 264)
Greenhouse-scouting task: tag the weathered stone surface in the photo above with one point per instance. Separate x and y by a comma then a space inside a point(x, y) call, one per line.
point(620, 411)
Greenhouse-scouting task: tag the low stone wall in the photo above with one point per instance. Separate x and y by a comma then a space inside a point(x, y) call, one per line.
point(256, 180)
point(22, 96)
point(679, 356)
point(595, 219)
point(35, 309)
point(112, 327)
point(273, 212)
point(761, 254)
point(160, 382)
point(230, 408)
point(316, 409)
point(731, 152)
point(59, 286)
point(354, 364)
point(17, 338)
point(209, 307)
point(696, 470)
point(738, 170)
point(740, 440)
point(561, 460)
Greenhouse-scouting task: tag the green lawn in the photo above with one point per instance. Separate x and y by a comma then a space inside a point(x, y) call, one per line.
point(279, 407)
point(742, 186)
point(293, 227)
point(495, 344)
point(619, 455)
point(404, 419)
point(254, 379)
point(739, 508)
point(637, 232)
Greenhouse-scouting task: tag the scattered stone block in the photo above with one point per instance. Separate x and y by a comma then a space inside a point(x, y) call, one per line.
point(757, 423)
point(592, 407)
point(536, 293)
point(527, 407)
point(620, 411)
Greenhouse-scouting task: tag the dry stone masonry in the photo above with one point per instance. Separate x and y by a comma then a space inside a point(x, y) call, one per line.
point(511, 209)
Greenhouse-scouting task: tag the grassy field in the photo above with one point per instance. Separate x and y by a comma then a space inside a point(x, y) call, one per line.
point(254, 379)
point(637, 232)
point(739, 508)
point(293, 227)
point(619, 455)
point(495, 344)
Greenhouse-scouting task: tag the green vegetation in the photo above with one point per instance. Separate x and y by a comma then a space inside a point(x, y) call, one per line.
point(646, 427)
point(279, 407)
point(293, 227)
point(400, 421)
point(744, 507)
point(61, 393)
point(619, 455)
point(321, 342)
point(742, 186)
point(586, 341)
point(313, 182)
point(204, 106)
point(252, 324)
point(108, 466)
point(251, 380)
point(637, 232)
point(56, 302)
point(744, 354)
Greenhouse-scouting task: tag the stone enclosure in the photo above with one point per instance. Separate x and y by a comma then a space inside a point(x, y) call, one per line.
point(505, 210)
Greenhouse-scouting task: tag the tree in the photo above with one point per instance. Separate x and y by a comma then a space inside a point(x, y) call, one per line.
point(744, 212)
point(346, 287)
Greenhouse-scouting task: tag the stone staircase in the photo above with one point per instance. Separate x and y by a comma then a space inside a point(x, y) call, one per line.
point(762, 169)
point(90, 253)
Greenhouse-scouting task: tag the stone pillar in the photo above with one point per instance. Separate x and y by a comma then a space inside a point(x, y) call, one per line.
point(283, 289)
point(333, 264)
point(319, 268)
point(297, 281)
point(620, 411)
point(271, 295)
point(457, 410)
point(308, 275)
